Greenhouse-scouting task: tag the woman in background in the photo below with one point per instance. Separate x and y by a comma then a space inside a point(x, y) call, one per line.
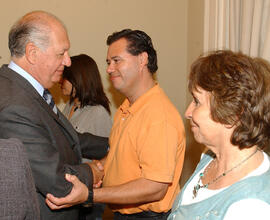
point(88, 109)
point(230, 115)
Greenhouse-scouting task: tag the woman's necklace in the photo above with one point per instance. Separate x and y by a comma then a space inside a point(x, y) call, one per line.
point(197, 187)
point(74, 107)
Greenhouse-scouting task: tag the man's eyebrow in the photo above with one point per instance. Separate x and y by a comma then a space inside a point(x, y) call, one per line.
point(112, 58)
point(115, 57)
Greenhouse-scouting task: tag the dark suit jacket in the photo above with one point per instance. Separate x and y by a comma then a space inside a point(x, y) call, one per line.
point(53, 146)
point(18, 198)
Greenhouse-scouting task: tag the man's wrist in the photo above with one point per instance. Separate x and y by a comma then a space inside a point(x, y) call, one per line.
point(89, 201)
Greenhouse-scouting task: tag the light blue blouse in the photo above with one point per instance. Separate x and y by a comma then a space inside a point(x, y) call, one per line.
point(215, 207)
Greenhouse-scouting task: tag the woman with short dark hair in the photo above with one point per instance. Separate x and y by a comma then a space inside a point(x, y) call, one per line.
point(230, 115)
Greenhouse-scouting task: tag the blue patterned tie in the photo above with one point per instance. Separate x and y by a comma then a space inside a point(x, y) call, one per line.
point(48, 98)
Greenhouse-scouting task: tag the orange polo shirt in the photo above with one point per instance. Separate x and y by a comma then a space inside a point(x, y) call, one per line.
point(147, 140)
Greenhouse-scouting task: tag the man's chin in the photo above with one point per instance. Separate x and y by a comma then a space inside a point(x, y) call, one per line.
point(57, 79)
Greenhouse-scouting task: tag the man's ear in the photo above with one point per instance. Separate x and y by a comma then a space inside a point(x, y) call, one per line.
point(31, 53)
point(143, 58)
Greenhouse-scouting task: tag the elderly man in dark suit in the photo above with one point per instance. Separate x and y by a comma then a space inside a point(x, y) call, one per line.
point(18, 198)
point(39, 46)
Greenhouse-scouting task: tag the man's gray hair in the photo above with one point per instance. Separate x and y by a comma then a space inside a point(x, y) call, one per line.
point(23, 33)
point(33, 27)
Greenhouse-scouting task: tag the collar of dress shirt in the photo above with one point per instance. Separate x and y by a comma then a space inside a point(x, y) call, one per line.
point(27, 76)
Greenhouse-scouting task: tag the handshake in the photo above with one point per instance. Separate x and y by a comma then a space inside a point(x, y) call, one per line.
point(97, 167)
point(79, 193)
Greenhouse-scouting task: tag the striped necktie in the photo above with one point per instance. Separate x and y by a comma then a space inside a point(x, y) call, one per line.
point(48, 98)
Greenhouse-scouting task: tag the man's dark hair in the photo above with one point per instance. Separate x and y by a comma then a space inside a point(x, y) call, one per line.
point(138, 42)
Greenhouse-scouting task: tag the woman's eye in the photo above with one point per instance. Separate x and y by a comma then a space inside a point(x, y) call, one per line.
point(196, 101)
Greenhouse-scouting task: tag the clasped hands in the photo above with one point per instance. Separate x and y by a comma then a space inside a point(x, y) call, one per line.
point(98, 172)
point(79, 191)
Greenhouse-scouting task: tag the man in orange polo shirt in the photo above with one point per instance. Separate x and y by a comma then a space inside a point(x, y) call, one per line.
point(147, 141)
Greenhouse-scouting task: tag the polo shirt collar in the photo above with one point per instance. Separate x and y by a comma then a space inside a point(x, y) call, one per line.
point(126, 108)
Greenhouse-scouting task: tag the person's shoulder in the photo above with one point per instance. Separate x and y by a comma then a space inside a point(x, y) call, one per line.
point(160, 98)
point(6, 74)
point(159, 105)
point(9, 84)
point(99, 108)
point(4, 68)
point(93, 109)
